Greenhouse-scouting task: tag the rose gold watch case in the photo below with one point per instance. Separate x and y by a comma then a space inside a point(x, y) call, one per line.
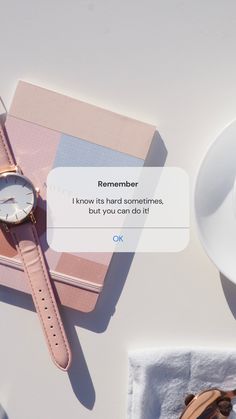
point(17, 172)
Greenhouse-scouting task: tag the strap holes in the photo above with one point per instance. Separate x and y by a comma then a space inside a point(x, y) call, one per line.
point(45, 308)
point(40, 290)
point(51, 327)
point(43, 299)
point(54, 334)
point(56, 344)
point(49, 317)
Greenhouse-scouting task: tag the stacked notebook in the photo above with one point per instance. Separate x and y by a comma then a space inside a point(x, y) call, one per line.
point(48, 130)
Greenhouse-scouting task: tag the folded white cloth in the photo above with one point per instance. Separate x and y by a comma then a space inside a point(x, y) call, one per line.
point(159, 380)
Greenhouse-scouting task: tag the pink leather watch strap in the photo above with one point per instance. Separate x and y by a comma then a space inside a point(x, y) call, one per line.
point(26, 240)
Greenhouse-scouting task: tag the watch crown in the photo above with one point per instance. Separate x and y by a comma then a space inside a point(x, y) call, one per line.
point(37, 191)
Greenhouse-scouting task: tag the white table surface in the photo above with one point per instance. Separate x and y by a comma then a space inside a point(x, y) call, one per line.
point(171, 63)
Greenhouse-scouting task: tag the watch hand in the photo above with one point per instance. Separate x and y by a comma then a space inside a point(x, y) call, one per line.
point(3, 201)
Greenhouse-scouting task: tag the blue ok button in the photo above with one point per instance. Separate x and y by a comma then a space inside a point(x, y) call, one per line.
point(117, 238)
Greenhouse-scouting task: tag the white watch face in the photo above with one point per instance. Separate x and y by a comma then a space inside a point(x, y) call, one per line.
point(17, 198)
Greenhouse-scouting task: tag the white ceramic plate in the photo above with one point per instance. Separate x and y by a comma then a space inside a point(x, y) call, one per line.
point(215, 202)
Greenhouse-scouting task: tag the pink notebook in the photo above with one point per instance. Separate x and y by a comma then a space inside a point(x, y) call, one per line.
point(47, 130)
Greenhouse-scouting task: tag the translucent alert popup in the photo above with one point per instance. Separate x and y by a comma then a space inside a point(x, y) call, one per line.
point(123, 209)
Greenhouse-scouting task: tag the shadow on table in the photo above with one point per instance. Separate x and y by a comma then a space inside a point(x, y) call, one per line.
point(98, 320)
point(229, 289)
point(3, 414)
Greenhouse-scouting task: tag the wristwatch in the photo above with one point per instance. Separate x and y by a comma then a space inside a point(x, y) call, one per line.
point(18, 199)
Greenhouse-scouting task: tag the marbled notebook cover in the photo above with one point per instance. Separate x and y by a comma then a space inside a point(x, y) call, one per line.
point(47, 130)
